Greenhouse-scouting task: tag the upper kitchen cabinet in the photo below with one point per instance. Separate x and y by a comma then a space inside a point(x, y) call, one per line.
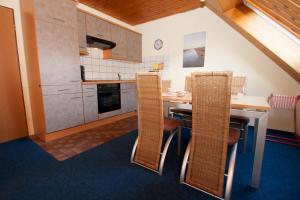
point(118, 35)
point(134, 46)
point(82, 32)
point(57, 42)
point(97, 27)
point(57, 11)
point(128, 43)
point(57, 54)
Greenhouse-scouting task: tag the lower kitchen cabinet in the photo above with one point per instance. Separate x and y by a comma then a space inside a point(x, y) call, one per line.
point(63, 111)
point(90, 106)
point(128, 97)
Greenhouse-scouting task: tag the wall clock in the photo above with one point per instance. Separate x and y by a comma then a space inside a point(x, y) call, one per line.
point(158, 44)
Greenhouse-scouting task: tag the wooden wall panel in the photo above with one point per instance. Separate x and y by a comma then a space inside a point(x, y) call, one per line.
point(140, 11)
point(13, 124)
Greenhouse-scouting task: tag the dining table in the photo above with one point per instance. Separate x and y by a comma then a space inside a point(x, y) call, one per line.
point(254, 107)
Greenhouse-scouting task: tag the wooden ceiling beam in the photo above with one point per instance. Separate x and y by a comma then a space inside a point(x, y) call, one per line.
point(223, 5)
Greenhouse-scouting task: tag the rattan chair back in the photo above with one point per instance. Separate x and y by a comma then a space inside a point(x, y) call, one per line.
point(165, 85)
point(211, 94)
point(150, 119)
point(238, 84)
point(188, 84)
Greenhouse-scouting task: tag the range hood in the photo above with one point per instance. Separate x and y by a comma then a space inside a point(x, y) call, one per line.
point(99, 43)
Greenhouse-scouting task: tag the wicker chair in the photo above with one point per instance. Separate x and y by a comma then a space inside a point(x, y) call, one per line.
point(238, 84)
point(203, 166)
point(188, 84)
point(147, 148)
point(182, 112)
point(240, 122)
point(165, 85)
point(179, 111)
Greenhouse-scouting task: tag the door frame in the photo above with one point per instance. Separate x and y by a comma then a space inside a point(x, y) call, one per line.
point(15, 6)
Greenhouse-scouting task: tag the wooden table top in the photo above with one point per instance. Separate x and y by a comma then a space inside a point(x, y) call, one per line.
point(243, 102)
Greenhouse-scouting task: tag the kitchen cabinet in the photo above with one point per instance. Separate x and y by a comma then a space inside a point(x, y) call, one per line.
point(90, 103)
point(134, 46)
point(128, 43)
point(97, 27)
point(61, 89)
point(59, 61)
point(128, 97)
point(63, 111)
point(118, 35)
point(110, 114)
point(81, 31)
point(60, 12)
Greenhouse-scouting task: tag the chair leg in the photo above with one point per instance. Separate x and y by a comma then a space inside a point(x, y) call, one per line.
point(134, 150)
point(164, 152)
point(245, 138)
point(179, 141)
point(185, 162)
point(230, 172)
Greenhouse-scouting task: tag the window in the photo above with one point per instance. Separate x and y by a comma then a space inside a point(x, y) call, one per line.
point(284, 12)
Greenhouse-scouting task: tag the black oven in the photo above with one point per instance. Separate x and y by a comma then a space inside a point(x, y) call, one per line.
point(109, 97)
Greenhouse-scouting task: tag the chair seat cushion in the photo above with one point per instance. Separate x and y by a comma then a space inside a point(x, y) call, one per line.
point(239, 119)
point(171, 124)
point(234, 136)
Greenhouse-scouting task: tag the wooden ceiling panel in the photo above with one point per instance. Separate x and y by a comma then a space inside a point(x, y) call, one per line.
point(140, 11)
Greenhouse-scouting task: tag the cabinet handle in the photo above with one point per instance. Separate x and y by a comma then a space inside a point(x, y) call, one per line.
point(91, 96)
point(63, 90)
point(60, 20)
point(90, 88)
point(75, 81)
point(75, 98)
point(100, 35)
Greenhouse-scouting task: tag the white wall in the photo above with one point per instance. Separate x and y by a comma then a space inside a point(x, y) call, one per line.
point(226, 49)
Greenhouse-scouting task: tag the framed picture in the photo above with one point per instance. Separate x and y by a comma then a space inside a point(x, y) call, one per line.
point(194, 50)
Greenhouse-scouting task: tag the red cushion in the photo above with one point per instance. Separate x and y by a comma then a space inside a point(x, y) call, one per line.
point(171, 124)
point(234, 136)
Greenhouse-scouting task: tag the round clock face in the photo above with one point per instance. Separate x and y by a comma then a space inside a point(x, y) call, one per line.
point(158, 44)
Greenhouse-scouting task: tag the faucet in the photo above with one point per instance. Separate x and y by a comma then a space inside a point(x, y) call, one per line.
point(119, 76)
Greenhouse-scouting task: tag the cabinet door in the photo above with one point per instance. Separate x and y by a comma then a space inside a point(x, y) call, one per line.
point(81, 31)
point(63, 111)
point(61, 12)
point(118, 35)
point(97, 28)
point(58, 54)
point(132, 100)
point(90, 106)
point(134, 47)
point(124, 101)
point(61, 89)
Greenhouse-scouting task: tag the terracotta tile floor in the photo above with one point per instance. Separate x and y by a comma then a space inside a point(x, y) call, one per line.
point(72, 145)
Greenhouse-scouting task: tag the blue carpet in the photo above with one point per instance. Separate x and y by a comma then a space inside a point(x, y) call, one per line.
point(28, 172)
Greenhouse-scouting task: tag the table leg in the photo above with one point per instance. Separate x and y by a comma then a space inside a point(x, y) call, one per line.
point(256, 120)
point(261, 125)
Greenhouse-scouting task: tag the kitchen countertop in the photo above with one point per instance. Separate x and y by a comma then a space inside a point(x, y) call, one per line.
point(89, 82)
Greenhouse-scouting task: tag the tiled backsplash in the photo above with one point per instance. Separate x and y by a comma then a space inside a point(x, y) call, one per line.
point(97, 68)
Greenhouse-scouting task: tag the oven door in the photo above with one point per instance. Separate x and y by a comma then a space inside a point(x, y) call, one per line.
point(108, 101)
